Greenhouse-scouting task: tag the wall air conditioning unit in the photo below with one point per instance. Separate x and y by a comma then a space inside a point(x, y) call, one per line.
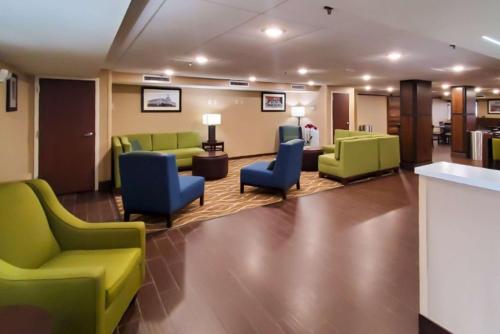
point(238, 83)
point(4, 75)
point(298, 87)
point(155, 78)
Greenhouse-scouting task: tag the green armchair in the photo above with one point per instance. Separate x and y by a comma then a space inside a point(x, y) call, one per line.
point(84, 274)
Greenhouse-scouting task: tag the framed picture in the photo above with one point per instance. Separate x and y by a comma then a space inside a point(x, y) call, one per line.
point(273, 101)
point(161, 99)
point(493, 106)
point(11, 98)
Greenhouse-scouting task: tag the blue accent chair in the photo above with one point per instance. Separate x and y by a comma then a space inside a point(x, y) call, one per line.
point(286, 171)
point(289, 132)
point(151, 185)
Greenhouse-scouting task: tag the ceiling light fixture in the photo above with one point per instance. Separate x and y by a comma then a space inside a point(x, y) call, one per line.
point(446, 93)
point(368, 87)
point(445, 86)
point(310, 83)
point(390, 89)
point(496, 91)
point(458, 68)
point(252, 78)
point(302, 71)
point(201, 59)
point(491, 40)
point(169, 72)
point(273, 32)
point(394, 56)
point(477, 89)
point(367, 77)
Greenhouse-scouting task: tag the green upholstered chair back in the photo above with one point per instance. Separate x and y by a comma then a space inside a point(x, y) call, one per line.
point(340, 133)
point(26, 240)
point(496, 148)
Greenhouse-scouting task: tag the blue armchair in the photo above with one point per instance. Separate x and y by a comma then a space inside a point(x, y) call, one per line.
point(151, 185)
point(289, 132)
point(286, 171)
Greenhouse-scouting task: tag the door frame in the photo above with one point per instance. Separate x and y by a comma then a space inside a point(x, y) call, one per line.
point(36, 127)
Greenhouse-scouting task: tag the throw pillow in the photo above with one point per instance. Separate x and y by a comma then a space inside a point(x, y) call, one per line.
point(271, 165)
point(136, 145)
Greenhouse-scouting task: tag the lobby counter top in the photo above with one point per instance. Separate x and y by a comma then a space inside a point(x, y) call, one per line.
point(468, 175)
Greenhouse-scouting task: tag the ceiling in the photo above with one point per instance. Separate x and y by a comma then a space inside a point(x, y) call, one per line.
point(59, 38)
point(337, 49)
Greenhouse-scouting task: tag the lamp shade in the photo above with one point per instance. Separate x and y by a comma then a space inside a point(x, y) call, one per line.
point(298, 111)
point(211, 119)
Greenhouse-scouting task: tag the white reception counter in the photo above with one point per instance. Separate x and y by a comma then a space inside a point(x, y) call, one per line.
point(459, 222)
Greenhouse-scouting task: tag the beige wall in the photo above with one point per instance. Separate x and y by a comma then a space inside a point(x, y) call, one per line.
point(372, 110)
point(105, 103)
point(16, 131)
point(482, 110)
point(245, 129)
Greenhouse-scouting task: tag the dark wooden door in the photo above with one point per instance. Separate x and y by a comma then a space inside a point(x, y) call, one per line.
point(340, 111)
point(67, 134)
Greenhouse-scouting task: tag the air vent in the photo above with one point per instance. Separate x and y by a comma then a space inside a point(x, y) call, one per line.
point(238, 83)
point(155, 78)
point(299, 87)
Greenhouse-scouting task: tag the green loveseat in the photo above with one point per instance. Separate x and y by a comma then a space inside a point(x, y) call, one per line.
point(340, 133)
point(359, 156)
point(83, 274)
point(184, 145)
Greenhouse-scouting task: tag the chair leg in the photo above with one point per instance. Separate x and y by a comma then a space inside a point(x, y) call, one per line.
point(202, 200)
point(169, 221)
point(283, 194)
point(242, 188)
point(298, 185)
point(126, 216)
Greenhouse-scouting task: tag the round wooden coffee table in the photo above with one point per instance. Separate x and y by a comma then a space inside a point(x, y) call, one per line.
point(211, 165)
point(310, 158)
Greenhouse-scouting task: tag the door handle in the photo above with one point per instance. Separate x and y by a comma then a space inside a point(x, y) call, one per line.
point(88, 134)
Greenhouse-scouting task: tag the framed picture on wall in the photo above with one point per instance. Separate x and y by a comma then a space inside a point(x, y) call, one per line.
point(11, 98)
point(273, 101)
point(161, 99)
point(493, 106)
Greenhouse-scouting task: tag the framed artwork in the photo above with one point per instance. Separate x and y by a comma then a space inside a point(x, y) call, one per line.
point(493, 106)
point(273, 101)
point(161, 99)
point(11, 98)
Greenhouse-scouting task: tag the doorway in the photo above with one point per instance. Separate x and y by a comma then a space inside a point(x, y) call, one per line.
point(67, 134)
point(340, 111)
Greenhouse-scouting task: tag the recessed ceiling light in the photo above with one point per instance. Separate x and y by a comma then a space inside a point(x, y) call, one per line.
point(394, 56)
point(491, 40)
point(169, 72)
point(310, 83)
point(446, 93)
point(445, 86)
point(390, 89)
point(496, 91)
point(302, 71)
point(368, 87)
point(477, 89)
point(201, 59)
point(458, 68)
point(367, 77)
point(252, 78)
point(273, 32)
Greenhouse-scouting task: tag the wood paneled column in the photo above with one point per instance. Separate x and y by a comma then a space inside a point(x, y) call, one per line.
point(463, 118)
point(416, 123)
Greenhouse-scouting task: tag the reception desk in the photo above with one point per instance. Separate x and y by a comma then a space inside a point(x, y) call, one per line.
point(459, 247)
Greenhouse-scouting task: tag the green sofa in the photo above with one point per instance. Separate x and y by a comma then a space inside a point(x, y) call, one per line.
point(340, 133)
point(360, 155)
point(184, 145)
point(83, 274)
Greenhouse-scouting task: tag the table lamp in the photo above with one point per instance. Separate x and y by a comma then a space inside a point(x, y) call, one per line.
point(298, 111)
point(211, 120)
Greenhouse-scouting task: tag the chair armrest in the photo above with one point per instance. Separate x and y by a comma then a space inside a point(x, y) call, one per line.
point(74, 233)
point(127, 146)
point(117, 150)
point(75, 298)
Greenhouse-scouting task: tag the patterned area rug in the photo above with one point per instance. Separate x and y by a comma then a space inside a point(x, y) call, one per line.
point(222, 197)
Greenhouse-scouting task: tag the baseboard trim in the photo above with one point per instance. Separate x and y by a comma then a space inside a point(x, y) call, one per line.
point(105, 185)
point(412, 165)
point(252, 156)
point(426, 326)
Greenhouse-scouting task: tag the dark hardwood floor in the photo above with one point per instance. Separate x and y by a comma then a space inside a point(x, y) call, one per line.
point(343, 261)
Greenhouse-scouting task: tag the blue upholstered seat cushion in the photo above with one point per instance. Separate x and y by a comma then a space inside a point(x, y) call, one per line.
point(191, 187)
point(257, 174)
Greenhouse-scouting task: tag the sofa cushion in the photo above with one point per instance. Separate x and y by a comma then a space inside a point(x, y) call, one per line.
point(183, 153)
point(340, 133)
point(136, 145)
point(26, 239)
point(164, 141)
point(118, 265)
point(328, 159)
point(143, 138)
point(188, 139)
point(328, 149)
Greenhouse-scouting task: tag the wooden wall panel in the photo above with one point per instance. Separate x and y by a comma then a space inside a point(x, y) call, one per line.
point(463, 118)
